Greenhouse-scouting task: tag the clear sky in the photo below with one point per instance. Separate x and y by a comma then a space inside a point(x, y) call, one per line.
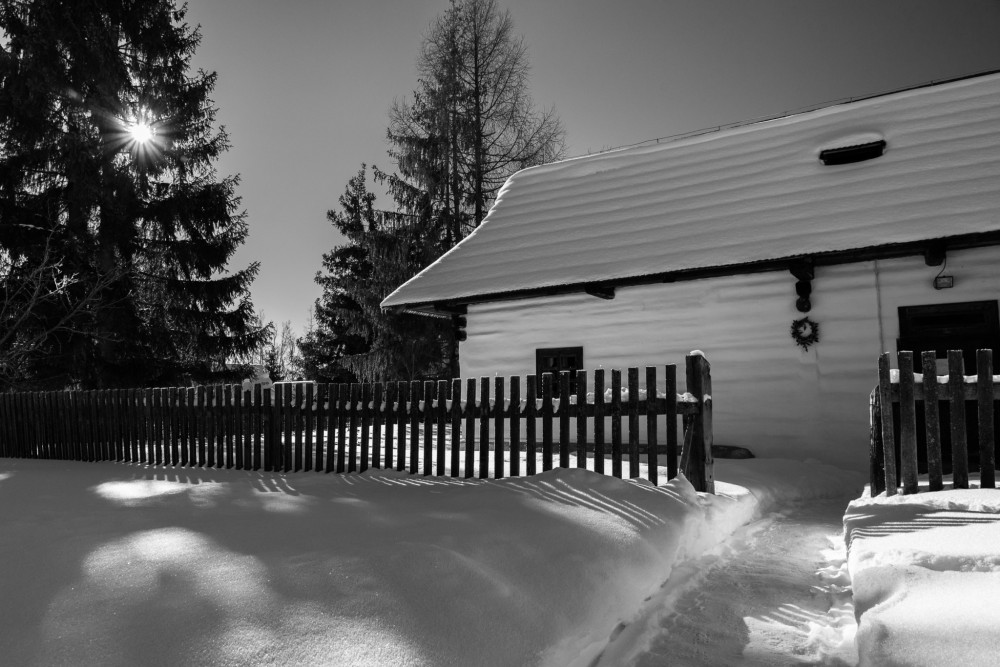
point(304, 86)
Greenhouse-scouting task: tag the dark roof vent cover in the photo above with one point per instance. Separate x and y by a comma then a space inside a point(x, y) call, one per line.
point(849, 154)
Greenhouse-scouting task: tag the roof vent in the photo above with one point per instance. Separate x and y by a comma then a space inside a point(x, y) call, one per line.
point(856, 153)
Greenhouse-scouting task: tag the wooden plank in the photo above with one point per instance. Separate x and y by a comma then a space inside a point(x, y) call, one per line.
point(182, 409)
point(352, 459)
point(907, 424)
point(391, 398)
point(343, 398)
point(136, 422)
point(321, 426)
point(210, 425)
point(287, 449)
point(310, 419)
point(984, 383)
point(456, 426)
point(956, 408)
point(470, 427)
point(705, 423)
point(297, 425)
point(441, 412)
point(199, 419)
point(378, 412)
point(175, 420)
point(514, 414)
point(876, 451)
point(365, 415)
point(581, 419)
point(888, 429)
point(564, 414)
point(932, 421)
point(145, 401)
point(155, 455)
point(429, 417)
point(257, 418)
point(402, 418)
point(546, 421)
point(633, 422)
point(499, 398)
point(652, 461)
point(229, 430)
point(530, 424)
point(599, 420)
point(616, 422)
point(244, 454)
point(484, 428)
point(267, 433)
point(416, 395)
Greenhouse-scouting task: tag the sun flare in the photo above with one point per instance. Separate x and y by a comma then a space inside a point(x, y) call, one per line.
point(140, 132)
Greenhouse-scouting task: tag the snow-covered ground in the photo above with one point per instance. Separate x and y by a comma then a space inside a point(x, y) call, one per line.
point(926, 577)
point(114, 564)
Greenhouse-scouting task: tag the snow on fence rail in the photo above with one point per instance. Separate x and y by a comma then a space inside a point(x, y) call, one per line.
point(945, 407)
point(351, 427)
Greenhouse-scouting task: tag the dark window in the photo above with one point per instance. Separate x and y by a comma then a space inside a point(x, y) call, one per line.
point(968, 326)
point(555, 360)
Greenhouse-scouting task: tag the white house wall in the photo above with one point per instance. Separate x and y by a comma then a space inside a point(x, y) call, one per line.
point(769, 394)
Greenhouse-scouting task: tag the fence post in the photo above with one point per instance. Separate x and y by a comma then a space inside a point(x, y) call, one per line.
point(876, 450)
point(888, 431)
point(984, 398)
point(907, 424)
point(700, 463)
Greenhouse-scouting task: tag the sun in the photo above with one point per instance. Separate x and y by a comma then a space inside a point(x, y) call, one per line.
point(141, 132)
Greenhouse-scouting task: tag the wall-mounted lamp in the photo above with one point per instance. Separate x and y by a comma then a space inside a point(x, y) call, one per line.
point(804, 273)
point(944, 282)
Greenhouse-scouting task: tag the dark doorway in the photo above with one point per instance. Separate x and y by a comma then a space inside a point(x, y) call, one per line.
point(967, 326)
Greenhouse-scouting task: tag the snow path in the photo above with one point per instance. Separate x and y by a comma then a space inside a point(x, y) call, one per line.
point(776, 593)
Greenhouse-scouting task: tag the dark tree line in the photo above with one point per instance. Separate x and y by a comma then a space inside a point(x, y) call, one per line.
point(470, 124)
point(114, 251)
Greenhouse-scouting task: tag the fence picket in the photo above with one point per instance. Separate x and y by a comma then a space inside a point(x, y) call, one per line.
point(287, 449)
point(515, 426)
point(616, 422)
point(343, 396)
point(932, 421)
point(229, 430)
point(652, 462)
point(402, 417)
point(546, 421)
point(530, 424)
point(564, 413)
point(456, 426)
point(310, 425)
point(470, 427)
point(428, 415)
point(498, 430)
point(379, 412)
point(390, 423)
point(907, 424)
point(416, 396)
point(599, 420)
point(365, 432)
point(959, 445)
point(633, 422)
point(442, 421)
point(581, 419)
point(984, 397)
point(484, 428)
point(888, 430)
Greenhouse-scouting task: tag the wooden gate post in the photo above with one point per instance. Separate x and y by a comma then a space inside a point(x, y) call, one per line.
point(699, 468)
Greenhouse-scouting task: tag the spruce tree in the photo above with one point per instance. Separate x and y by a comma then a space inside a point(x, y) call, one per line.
point(353, 338)
point(107, 147)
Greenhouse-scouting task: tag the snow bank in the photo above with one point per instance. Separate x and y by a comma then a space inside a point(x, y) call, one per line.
point(109, 564)
point(926, 575)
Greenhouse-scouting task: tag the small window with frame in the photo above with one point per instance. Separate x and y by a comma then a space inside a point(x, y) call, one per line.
point(555, 360)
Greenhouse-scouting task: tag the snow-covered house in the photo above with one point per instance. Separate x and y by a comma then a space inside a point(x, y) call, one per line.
point(877, 219)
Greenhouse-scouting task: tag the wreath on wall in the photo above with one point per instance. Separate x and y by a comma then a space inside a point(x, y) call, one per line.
point(805, 333)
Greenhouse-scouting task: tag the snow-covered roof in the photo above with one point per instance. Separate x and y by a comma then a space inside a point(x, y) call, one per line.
point(736, 197)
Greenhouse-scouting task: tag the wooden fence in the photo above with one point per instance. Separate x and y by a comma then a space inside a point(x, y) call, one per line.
point(351, 427)
point(950, 406)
